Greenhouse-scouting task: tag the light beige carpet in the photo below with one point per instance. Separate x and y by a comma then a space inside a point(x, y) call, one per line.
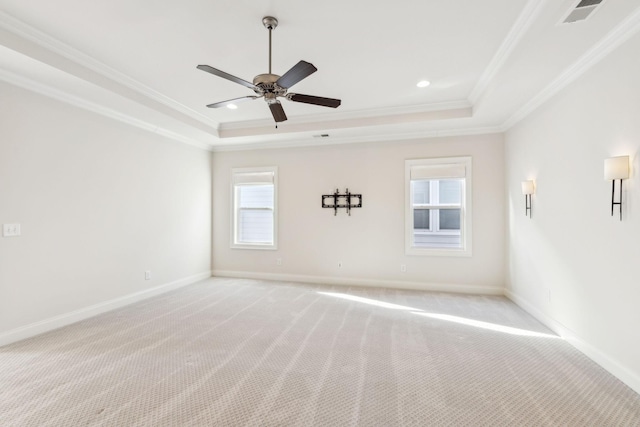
point(227, 352)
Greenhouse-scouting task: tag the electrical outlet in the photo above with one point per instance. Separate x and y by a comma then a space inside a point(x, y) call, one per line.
point(339, 264)
point(279, 261)
point(403, 268)
point(147, 275)
point(10, 230)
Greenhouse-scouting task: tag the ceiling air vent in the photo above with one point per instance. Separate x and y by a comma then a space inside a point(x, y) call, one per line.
point(582, 11)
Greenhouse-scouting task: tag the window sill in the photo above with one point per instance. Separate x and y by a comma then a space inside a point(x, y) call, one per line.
point(255, 246)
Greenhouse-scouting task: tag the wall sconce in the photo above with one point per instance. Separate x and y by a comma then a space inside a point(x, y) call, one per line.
point(616, 168)
point(528, 188)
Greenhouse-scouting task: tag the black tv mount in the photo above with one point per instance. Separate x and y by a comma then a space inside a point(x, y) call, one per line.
point(334, 201)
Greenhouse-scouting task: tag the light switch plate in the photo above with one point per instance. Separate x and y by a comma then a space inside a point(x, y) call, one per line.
point(10, 230)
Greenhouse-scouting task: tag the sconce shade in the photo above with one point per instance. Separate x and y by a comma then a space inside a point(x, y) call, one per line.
point(616, 168)
point(528, 187)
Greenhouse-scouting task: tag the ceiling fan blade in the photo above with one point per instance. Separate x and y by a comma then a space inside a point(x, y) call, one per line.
point(315, 100)
point(298, 72)
point(227, 76)
point(232, 101)
point(277, 111)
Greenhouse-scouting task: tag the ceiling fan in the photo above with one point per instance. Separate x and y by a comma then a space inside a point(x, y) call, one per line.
point(272, 86)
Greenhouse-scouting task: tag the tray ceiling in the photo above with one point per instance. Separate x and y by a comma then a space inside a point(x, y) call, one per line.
point(488, 62)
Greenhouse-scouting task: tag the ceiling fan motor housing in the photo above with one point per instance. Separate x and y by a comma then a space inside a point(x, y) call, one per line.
point(266, 84)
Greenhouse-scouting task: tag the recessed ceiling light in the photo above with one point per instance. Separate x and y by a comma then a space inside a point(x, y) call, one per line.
point(423, 83)
point(232, 106)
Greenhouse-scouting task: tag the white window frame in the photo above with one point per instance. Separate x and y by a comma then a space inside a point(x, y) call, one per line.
point(465, 208)
point(244, 174)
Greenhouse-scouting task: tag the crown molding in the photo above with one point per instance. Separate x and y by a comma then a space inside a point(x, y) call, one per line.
point(351, 115)
point(374, 138)
point(599, 51)
point(309, 141)
point(518, 30)
point(67, 98)
point(27, 32)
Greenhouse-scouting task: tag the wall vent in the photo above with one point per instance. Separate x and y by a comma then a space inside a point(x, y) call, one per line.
point(581, 11)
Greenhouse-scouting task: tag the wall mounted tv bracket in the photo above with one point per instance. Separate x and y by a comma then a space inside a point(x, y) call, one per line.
point(348, 200)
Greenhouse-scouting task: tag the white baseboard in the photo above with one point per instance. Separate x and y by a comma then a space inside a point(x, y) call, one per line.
point(374, 283)
point(56, 322)
point(609, 363)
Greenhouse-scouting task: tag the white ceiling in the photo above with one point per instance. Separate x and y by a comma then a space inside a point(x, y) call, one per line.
point(490, 63)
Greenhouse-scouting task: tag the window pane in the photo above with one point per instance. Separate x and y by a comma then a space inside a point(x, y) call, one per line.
point(436, 240)
point(255, 196)
point(420, 192)
point(449, 219)
point(255, 226)
point(421, 219)
point(450, 191)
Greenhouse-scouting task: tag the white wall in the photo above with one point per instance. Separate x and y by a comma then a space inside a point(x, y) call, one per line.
point(369, 243)
point(572, 250)
point(99, 203)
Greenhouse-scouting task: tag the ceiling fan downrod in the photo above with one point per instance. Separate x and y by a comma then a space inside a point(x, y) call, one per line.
point(270, 24)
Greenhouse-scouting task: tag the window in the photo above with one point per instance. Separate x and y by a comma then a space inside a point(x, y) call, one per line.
point(438, 206)
point(254, 200)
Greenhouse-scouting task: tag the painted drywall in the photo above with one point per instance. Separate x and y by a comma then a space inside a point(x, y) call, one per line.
point(370, 243)
point(573, 264)
point(99, 203)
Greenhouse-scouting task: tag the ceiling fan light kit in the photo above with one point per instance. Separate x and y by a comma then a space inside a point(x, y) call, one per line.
point(272, 86)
